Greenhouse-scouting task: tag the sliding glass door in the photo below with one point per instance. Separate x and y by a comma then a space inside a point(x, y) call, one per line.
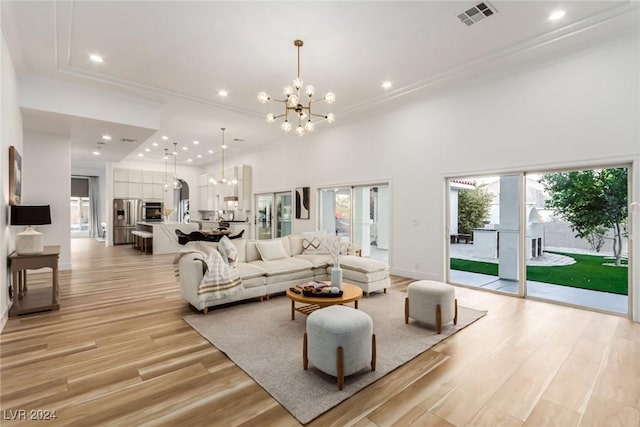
point(79, 216)
point(360, 214)
point(554, 235)
point(274, 215)
point(484, 230)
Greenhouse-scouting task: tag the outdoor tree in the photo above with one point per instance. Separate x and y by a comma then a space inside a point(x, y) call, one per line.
point(473, 209)
point(591, 201)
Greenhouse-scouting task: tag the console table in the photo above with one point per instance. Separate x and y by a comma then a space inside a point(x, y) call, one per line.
point(39, 299)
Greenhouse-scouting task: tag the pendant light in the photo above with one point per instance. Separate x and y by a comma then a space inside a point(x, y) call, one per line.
point(223, 180)
point(166, 158)
point(176, 184)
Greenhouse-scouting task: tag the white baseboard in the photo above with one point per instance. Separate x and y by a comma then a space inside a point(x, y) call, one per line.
point(414, 274)
point(65, 266)
point(5, 317)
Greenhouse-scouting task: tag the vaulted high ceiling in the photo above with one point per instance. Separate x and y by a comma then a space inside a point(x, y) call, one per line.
point(180, 54)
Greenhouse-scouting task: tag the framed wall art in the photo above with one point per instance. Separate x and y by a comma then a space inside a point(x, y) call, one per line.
point(15, 176)
point(303, 202)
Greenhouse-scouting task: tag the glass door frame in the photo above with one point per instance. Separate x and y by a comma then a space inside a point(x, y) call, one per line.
point(352, 188)
point(522, 262)
point(274, 195)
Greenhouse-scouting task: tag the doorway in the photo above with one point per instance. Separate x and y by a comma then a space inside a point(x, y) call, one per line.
point(360, 214)
point(556, 235)
point(80, 205)
point(274, 215)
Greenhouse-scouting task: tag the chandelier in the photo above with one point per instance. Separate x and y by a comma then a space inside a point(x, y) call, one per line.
point(175, 184)
point(223, 180)
point(293, 104)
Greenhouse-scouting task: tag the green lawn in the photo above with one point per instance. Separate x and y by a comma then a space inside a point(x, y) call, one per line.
point(587, 273)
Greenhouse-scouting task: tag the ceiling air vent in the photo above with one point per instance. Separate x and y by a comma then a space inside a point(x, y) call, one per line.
point(127, 140)
point(477, 13)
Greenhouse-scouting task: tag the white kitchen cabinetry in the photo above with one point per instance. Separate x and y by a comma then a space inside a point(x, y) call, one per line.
point(121, 175)
point(120, 190)
point(137, 184)
point(135, 176)
point(209, 193)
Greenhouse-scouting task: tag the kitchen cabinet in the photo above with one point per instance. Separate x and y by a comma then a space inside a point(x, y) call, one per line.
point(121, 175)
point(135, 176)
point(137, 184)
point(135, 190)
point(121, 190)
point(209, 195)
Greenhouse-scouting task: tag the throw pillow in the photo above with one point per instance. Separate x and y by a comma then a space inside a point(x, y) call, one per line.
point(314, 243)
point(271, 250)
point(228, 251)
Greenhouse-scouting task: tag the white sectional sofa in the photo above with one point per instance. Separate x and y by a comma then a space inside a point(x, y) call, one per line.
point(272, 272)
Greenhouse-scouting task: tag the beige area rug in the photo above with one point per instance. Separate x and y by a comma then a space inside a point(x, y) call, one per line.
point(262, 340)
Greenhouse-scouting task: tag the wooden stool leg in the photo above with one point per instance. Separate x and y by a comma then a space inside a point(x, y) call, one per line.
point(455, 316)
point(406, 310)
point(373, 352)
point(305, 360)
point(438, 318)
point(340, 369)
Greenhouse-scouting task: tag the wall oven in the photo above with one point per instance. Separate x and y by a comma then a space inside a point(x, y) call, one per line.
point(152, 211)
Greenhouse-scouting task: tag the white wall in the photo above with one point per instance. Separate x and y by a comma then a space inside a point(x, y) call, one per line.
point(581, 111)
point(10, 134)
point(46, 165)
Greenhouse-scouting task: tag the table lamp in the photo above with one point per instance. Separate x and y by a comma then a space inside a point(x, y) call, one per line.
point(30, 240)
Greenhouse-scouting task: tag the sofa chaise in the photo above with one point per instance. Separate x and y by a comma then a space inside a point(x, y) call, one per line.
point(268, 267)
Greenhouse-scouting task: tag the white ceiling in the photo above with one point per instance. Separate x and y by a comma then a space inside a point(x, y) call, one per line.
point(181, 53)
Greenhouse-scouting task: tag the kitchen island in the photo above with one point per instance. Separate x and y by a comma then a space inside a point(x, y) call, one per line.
point(165, 240)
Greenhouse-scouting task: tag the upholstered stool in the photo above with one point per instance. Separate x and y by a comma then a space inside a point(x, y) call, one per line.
point(339, 341)
point(431, 302)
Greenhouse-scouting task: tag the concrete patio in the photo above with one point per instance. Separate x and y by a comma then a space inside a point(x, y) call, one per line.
point(566, 294)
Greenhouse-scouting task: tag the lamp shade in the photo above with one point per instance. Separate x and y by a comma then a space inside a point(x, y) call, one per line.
point(30, 215)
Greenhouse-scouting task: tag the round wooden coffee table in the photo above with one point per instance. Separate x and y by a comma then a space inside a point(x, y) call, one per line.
point(350, 293)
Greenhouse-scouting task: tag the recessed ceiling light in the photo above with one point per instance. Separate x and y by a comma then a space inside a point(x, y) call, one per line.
point(189, 160)
point(223, 92)
point(96, 153)
point(224, 146)
point(185, 148)
point(387, 84)
point(147, 149)
point(140, 155)
point(155, 144)
point(165, 137)
point(556, 15)
point(210, 151)
point(199, 156)
point(196, 142)
point(94, 57)
point(106, 137)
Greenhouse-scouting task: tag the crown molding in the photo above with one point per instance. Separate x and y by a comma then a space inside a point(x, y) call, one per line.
point(611, 16)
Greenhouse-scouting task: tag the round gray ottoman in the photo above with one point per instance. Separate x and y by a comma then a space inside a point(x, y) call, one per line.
point(431, 302)
point(339, 341)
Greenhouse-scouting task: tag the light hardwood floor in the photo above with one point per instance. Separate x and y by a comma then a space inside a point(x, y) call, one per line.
point(119, 353)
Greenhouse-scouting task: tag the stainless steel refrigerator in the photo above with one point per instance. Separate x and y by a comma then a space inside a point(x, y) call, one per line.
point(126, 214)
